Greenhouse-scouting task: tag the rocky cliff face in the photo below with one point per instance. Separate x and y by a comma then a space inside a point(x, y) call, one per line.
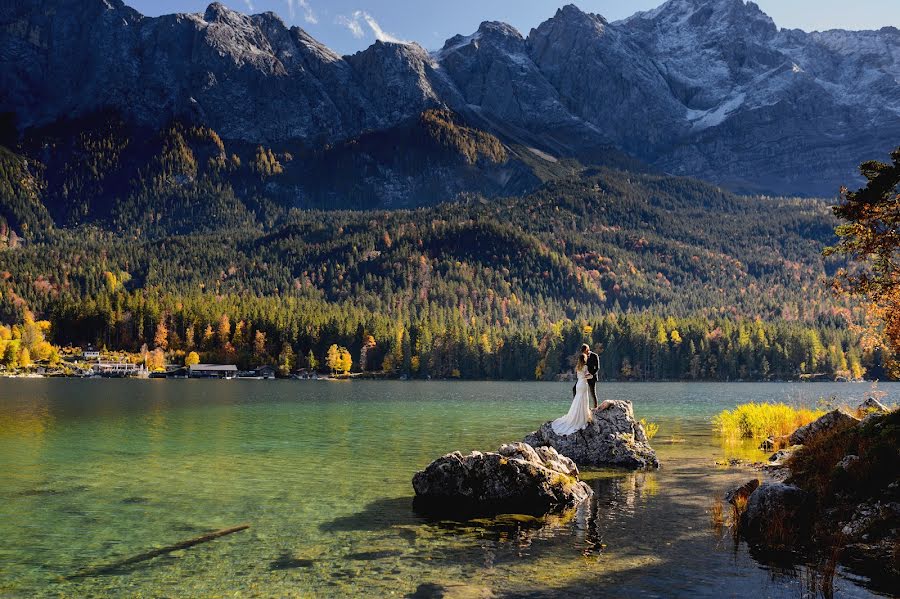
point(707, 88)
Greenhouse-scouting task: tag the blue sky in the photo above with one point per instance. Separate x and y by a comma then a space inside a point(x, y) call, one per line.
point(351, 25)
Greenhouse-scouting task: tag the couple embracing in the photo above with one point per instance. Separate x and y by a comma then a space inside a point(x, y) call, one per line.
point(584, 392)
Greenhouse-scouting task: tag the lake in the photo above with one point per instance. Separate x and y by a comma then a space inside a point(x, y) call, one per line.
point(97, 470)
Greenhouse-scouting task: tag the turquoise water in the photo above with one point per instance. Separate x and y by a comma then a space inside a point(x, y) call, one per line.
point(96, 470)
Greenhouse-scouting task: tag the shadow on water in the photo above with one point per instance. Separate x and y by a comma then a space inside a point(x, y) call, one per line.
point(381, 514)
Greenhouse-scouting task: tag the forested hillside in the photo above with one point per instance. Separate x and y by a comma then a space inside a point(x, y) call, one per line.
point(181, 242)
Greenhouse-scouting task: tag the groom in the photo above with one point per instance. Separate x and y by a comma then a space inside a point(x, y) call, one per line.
point(593, 366)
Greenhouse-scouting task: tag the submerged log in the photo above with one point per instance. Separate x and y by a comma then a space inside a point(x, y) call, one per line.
point(95, 570)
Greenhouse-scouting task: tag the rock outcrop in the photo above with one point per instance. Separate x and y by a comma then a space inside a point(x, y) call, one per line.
point(777, 515)
point(832, 422)
point(517, 479)
point(613, 438)
point(840, 491)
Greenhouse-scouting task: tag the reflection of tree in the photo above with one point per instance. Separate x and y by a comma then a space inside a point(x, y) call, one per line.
point(23, 431)
point(25, 422)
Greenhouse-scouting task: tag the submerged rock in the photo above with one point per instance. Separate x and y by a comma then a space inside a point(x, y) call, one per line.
point(832, 422)
point(613, 438)
point(517, 479)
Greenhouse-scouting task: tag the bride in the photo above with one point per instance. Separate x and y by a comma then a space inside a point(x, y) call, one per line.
point(579, 415)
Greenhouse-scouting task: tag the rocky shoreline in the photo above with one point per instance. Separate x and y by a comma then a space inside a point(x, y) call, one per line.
point(835, 493)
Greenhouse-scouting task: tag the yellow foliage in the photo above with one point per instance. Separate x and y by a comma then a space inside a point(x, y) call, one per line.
point(43, 350)
point(650, 429)
point(761, 420)
point(345, 360)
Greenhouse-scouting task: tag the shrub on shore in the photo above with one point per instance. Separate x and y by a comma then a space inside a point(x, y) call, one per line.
point(650, 428)
point(762, 420)
point(820, 467)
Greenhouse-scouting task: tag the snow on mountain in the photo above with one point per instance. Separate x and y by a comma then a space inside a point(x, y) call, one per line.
point(707, 88)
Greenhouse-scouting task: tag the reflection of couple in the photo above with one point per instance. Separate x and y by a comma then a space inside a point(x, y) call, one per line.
point(584, 391)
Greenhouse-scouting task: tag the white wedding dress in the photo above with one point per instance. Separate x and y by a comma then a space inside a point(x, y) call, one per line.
point(579, 415)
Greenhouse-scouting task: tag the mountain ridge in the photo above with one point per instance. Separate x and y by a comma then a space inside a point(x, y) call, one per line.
point(705, 88)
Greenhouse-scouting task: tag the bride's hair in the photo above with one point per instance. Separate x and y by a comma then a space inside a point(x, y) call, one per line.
point(580, 362)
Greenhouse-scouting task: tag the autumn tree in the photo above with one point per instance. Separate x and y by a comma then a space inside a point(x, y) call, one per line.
point(25, 358)
point(191, 359)
point(155, 360)
point(239, 339)
point(259, 347)
point(333, 358)
point(870, 239)
point(223, 330)
point(11, 355)
point(161, 338)
point(345, 360)
point(287, 360)
point(208, 337)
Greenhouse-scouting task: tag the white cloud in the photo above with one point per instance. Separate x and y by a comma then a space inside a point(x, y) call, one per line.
point(308, 14)
point(249, 4)
point(355, 24)
point(352, 24)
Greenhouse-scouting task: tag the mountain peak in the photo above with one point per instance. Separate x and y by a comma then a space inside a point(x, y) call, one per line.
point(496, 32)
point(707, 15)
point(572, 13)
point(498, 28)
point(216, 12)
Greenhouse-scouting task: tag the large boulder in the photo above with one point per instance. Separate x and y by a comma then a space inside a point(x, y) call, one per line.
point(777, 515)
point(834, 421)
point(516, 479)
point(613, 438)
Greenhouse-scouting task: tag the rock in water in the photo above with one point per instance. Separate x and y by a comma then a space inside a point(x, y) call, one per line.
point(777, 515)
point(613, 438)
point(517, 479)
point(832, 422)
point(742, 493)
point(872, 405)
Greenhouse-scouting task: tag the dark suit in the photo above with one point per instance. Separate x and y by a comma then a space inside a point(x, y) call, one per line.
point(593, 367)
